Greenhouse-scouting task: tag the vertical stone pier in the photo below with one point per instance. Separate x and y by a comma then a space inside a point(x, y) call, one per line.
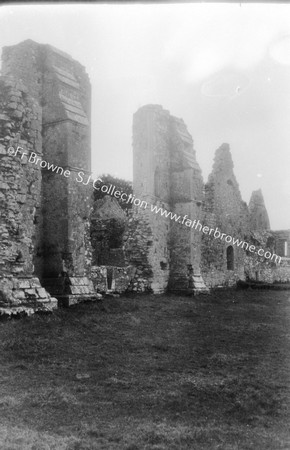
point(20, 200)
point(166, 174)
point(61, 88)
point(186, 193)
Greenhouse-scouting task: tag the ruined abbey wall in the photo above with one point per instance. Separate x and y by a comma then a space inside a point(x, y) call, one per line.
point(56, 130)
point(166, 175)
point(147, 245)
point(51, 245)
point(269, 270)
point(61, 87)
point(172, 254)
point(20, 198)
point(223, 209)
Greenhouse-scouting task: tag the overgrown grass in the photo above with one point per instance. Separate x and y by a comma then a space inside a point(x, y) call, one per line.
point(164, 372)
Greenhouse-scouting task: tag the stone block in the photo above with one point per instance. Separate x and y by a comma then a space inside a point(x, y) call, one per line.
point(35, 283)
point(13, 99)
point(42, 293)
point(17, 114)
point(53, 304)
point(15, 93)
point(15, 283)
point(19, 294)
point(12, 105)
point(76, 290)
point(91, 286)
point(74, 281)
point(31, 293)
point(21, 198)
point(24, 284)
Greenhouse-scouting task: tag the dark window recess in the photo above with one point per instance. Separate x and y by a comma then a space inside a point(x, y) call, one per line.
point(230, 258)
point(115, 233)
point(109, 276)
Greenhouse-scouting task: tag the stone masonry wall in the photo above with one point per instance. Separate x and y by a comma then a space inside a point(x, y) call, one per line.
point(175, 254)
point(186, 195)
point(138, 244)
point(166, 175)
point(147, 245)
point(225, 210)
point(61, 89)
point(108, 224)
point(66, 142)
point(261, 269)
point(20, 189)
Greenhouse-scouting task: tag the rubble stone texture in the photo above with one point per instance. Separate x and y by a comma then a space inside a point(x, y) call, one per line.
point(171, 255)
point(51, 117)
point(223, 209)
point(20, 199)
point(108, 225)
point(166, 174)
point(50, 245)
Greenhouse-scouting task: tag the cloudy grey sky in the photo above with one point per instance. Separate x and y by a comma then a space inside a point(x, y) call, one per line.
point(223, 68)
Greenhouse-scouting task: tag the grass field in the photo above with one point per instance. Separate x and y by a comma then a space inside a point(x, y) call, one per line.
point(164, 372)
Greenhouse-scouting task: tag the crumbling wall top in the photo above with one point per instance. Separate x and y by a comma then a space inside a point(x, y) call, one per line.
point(258, 214)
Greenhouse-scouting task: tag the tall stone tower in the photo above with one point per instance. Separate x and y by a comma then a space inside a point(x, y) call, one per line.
point(166, 175)
point(61, 88)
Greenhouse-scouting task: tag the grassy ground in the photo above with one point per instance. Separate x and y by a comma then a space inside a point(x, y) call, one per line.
point(168, 372)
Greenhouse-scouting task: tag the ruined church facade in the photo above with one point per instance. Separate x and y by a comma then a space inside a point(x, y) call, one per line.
point(53, 237)
point(177, 251)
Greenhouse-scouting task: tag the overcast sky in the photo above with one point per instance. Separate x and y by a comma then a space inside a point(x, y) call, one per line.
point(223, 68)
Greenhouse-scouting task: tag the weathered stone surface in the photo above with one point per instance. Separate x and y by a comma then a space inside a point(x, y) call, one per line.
point(24, 284)
point(41, 293)
point(224, 210)
point(46, 229)
point(99, 277)
point(45, 215)
point(166, 174)
point(259, 219)
point(170, 254)
point(108, 225)
point(113, 279)
point(15, 293)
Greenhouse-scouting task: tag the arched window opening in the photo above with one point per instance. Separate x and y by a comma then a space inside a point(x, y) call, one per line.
point(230, 258)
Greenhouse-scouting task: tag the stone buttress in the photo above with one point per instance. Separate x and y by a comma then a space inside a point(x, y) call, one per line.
point(61, 88)
point(166, 175)
point(20, 201)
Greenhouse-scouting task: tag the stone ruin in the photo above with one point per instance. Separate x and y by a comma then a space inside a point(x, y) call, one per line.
point(54, 242)
point(45, 112)
point(170, 255)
